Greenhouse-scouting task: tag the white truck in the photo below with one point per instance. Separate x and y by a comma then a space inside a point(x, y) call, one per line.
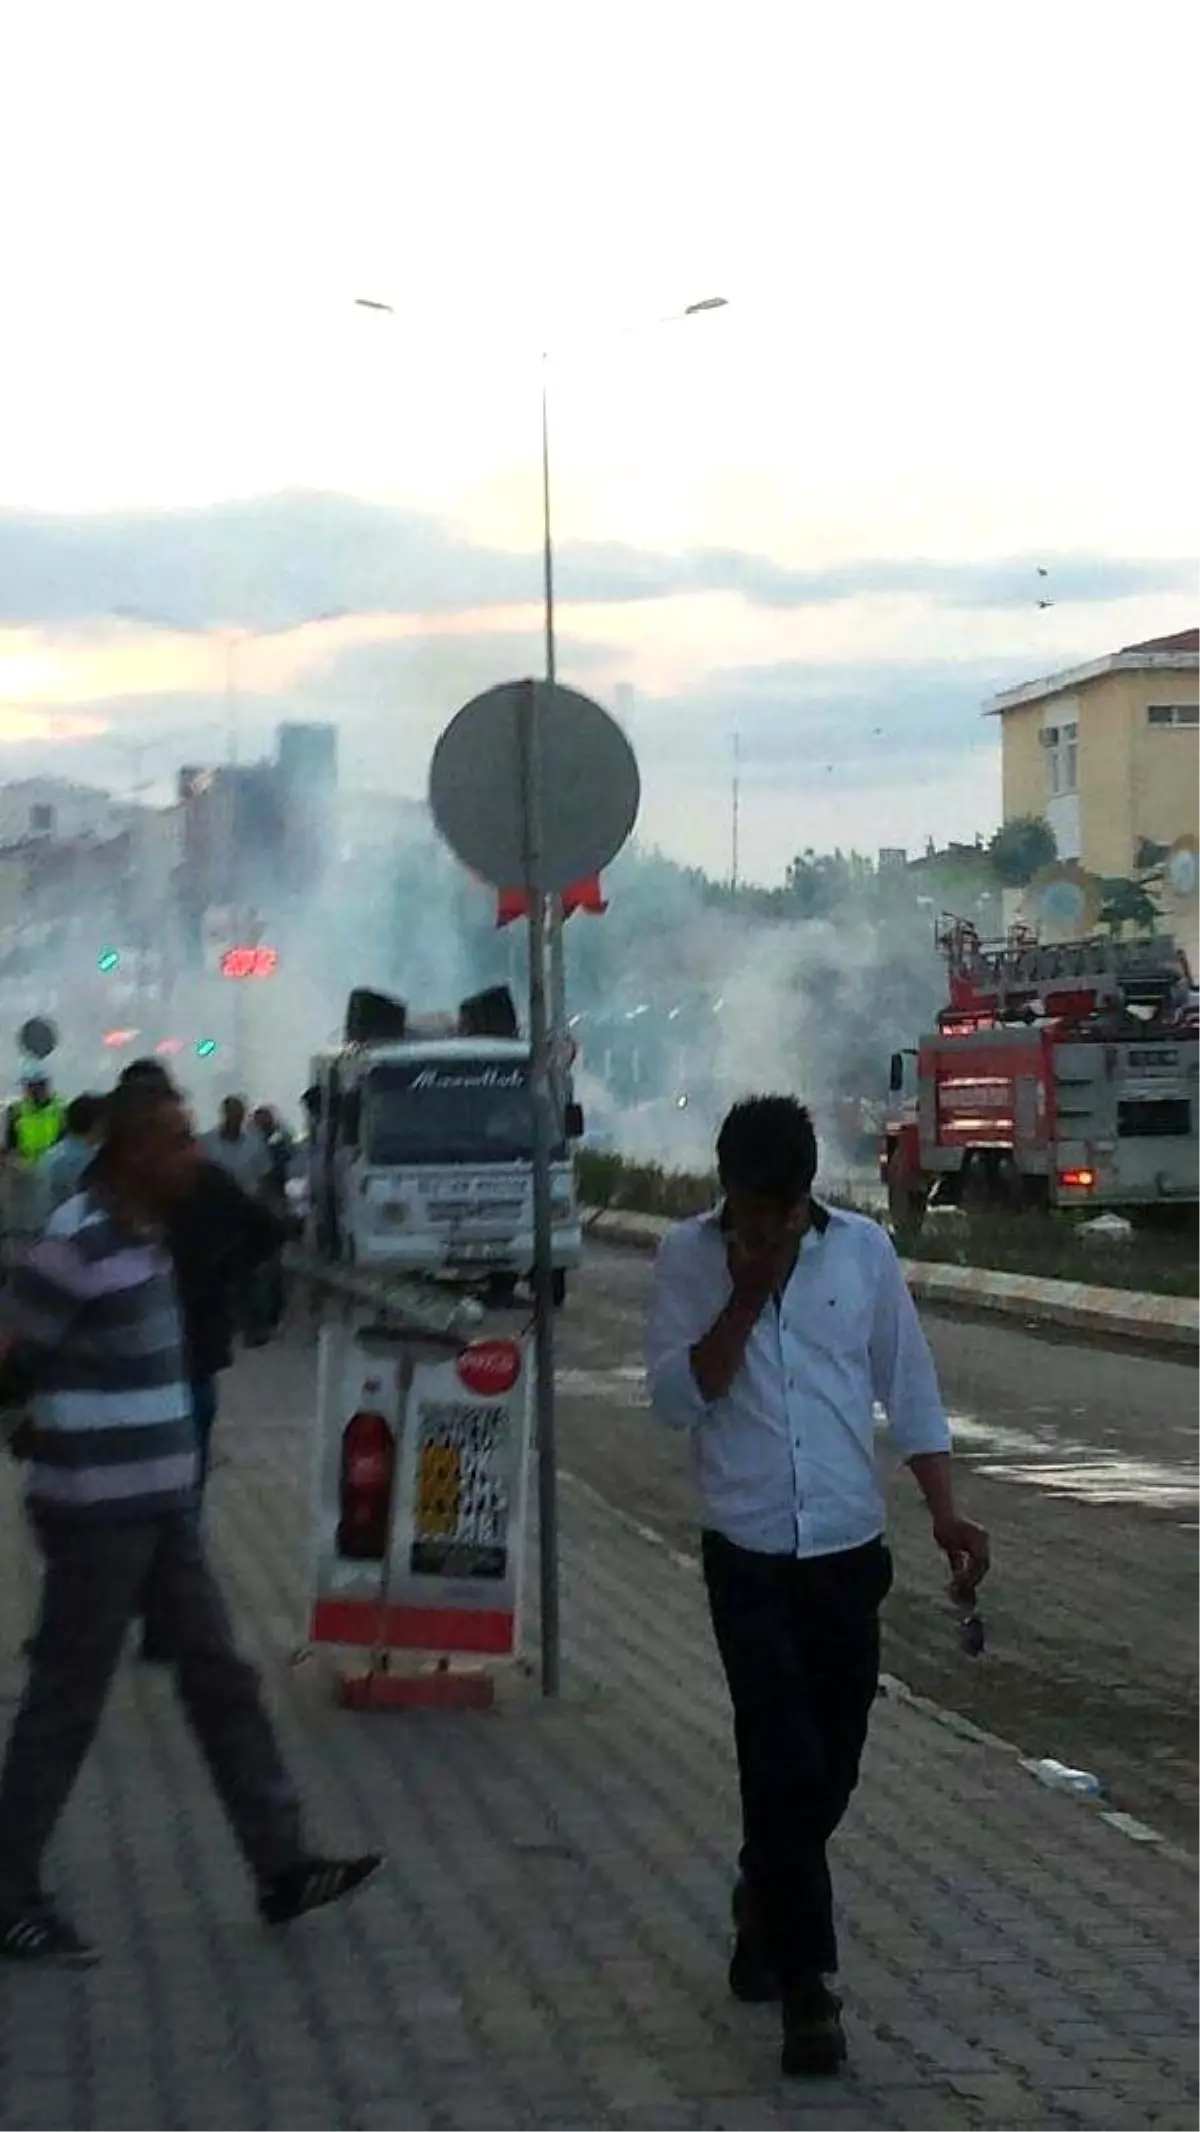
point(422, 1146)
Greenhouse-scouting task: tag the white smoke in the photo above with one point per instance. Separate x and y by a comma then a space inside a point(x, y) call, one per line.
point(680, 1004)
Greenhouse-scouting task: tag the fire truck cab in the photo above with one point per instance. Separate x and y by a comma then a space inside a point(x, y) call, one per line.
point(1058, 1076)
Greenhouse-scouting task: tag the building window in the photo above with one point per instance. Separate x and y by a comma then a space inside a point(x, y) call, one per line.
point(1170, 714)
point(1061, 743)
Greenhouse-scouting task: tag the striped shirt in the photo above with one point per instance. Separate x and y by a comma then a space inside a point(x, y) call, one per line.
point(92, 1308)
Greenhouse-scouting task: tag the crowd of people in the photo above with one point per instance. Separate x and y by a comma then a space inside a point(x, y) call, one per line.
point(154, 1249)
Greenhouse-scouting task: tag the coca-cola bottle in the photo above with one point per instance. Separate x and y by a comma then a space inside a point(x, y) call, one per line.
point(368, 1468)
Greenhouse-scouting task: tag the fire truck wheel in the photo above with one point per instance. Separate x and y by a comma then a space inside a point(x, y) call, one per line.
point(906, 1200)
point(976, 1193)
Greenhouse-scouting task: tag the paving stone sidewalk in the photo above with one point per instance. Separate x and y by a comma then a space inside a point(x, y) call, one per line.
point(547, 1947)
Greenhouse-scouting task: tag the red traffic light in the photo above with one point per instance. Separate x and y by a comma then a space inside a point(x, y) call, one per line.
point(249, 962)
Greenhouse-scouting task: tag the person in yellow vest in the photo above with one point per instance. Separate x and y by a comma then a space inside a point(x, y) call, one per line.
point(37, 1122)
point(35, 1125)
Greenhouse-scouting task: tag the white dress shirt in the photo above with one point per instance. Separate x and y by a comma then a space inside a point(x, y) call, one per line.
point(786, 1458)
point(247, 1158)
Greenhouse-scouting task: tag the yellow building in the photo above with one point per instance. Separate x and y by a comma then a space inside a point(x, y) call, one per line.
point(1107, 755)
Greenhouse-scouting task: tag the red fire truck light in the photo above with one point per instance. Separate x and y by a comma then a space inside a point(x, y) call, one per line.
point(1077, 1180)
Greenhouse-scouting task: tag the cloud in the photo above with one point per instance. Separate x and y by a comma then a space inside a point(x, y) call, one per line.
point(263, 562)
point(871, 725)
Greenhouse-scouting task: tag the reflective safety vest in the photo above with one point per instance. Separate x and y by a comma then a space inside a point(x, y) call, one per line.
point(39, 1127)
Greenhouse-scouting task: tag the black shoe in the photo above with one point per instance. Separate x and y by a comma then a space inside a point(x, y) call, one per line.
point(311, 1884)
point(752, 1975)
point(814, 2041)
point(40, 1935)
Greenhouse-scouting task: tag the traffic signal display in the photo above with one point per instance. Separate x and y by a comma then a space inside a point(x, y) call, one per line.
point(206, 1048)
point(107, 961)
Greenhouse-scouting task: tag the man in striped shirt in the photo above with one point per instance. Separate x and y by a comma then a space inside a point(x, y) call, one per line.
point(112, 1496)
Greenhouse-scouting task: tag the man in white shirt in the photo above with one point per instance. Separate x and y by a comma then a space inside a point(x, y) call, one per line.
point(238, 1148)
point(775, 1328)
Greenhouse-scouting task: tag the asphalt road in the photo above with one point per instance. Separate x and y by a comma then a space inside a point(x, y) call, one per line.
point(1081, 1461)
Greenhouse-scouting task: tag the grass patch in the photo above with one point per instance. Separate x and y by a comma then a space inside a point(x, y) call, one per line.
point(610, 1182)
point(1045, 1245)
point(1050, 1247)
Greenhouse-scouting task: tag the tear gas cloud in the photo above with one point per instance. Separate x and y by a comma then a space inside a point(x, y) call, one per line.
point(678, 1003)
point(680, 1000)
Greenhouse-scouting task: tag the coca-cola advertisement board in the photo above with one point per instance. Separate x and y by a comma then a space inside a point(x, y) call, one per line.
point(419, 1494)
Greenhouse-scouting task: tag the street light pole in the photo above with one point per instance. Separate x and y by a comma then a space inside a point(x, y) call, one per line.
point(554, 921)
point(554, 918)
point(232, 729)
point(553, 929)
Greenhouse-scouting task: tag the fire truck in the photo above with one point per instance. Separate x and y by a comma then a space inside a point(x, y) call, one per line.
point(1058, 1076)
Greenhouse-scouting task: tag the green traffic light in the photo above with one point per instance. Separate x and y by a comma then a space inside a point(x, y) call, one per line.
point(206, 1047)
point(107, 961)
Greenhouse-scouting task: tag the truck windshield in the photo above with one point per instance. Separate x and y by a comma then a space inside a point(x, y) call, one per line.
point(465, 1110)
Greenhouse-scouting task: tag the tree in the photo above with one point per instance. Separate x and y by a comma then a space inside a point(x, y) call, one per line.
point(1020, 849)
point(1128, 902)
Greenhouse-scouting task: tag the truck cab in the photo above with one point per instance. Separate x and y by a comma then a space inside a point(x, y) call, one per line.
point(423, 1153)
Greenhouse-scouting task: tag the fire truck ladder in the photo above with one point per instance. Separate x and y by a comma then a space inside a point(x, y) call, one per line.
point(1134, 972)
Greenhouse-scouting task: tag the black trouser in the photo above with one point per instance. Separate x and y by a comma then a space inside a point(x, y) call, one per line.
point(98, 1578)
point(799, 1641)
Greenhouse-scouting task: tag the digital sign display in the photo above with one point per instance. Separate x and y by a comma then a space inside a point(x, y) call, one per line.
point(249, 962)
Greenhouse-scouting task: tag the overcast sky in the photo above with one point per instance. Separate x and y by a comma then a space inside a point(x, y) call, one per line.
point(956, 245)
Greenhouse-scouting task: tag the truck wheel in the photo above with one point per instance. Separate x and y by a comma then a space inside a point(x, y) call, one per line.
point(977, 1195)
point(501, 1290)
point(906, 1200)
point(558, 1287)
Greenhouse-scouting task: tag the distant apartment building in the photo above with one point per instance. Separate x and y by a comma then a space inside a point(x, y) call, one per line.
point(1107, 754)
point(257, 835)
point(306, 775)
point(54, 807)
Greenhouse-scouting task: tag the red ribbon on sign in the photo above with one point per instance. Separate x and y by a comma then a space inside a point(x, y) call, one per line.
point(513, 903)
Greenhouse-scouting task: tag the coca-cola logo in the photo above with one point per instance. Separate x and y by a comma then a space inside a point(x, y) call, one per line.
point(489, 1368)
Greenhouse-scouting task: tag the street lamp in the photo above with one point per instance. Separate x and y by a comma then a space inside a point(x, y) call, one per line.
point(554, 931)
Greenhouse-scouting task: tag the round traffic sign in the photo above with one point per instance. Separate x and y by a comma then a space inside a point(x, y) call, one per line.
point(587, 786)
point(37, 1037)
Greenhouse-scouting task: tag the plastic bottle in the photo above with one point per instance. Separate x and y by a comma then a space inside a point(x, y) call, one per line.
point(368, 1467)
point(1058, 1776)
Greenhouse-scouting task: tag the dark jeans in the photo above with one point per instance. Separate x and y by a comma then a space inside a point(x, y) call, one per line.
point(204, 1415)
point(799, 1641)
point(98, 1578)
point(262, 1301)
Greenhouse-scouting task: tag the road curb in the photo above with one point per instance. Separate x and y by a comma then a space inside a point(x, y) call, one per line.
point(1078, 1306)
